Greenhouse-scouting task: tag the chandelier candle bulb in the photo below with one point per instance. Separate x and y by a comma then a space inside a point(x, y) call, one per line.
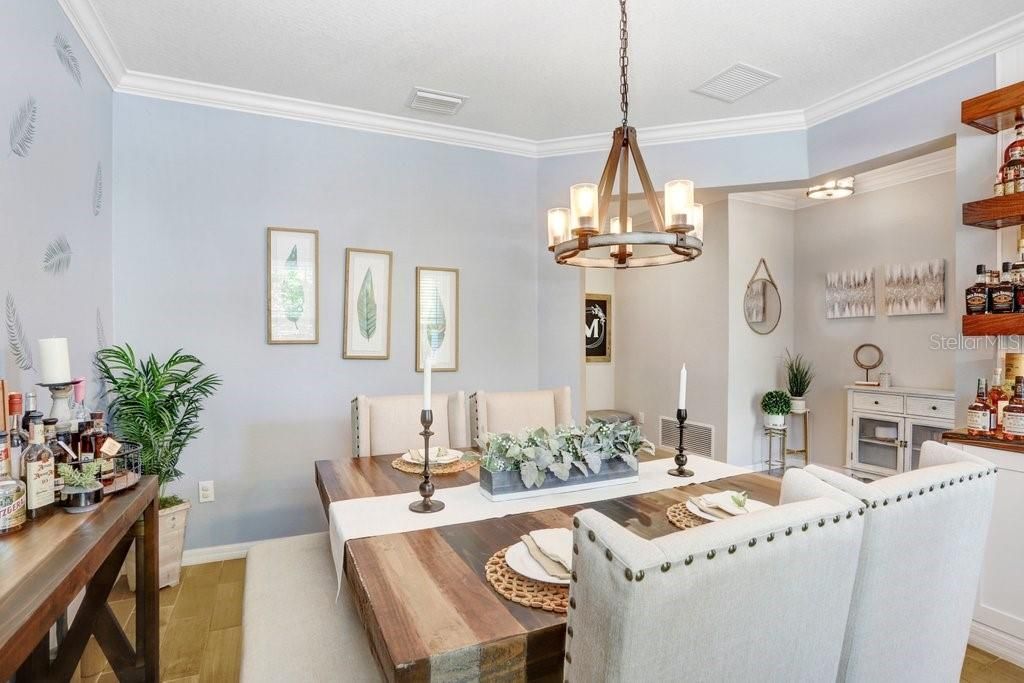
point(678, 202)
point(558, 225)
point(583, 207)
point(54, 361)
point(697, 221)
point(614, 227)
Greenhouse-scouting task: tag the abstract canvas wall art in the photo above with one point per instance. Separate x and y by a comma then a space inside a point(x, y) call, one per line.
point(916, 288)
point(850, 294)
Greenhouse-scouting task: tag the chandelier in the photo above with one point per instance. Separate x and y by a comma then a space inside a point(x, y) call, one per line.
point(580, 235)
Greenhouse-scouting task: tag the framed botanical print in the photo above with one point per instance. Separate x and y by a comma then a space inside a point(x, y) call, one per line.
point(367, 318)
point(597, 333)
point(293, 286)
point(437, 318)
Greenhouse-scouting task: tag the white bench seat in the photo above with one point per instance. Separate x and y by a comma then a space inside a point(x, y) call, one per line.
point(292, 627)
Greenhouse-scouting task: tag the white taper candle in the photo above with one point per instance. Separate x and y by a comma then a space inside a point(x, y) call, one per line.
point(682, 388)
point(427, 363)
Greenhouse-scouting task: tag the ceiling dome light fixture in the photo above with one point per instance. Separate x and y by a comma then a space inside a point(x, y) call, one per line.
point(584, 234)
point(833, 189)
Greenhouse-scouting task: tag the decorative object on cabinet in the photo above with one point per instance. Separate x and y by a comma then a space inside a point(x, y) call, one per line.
point(437, 318)
point(916, 288)
point(157, 405)
point(799, 375)
point(293, 286)
point(867, 357)
point(366, 328)
point(886, 427)
point(850, 294)
point(776, 405)
point(762, 304)
point(576, 235)
point(597, 333)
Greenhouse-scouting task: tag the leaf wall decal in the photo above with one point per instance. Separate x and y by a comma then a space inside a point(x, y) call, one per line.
point(292, 294)
point(16, 340)
point(366, 307)
point(57, 257)
point(97, 190)
point(101, 335)
point(23, 127)
point(67, 57)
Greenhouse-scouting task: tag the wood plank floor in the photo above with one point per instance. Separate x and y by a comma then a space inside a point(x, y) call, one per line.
point(201, 631)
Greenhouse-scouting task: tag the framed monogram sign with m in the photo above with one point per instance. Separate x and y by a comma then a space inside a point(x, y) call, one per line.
point(597, 333)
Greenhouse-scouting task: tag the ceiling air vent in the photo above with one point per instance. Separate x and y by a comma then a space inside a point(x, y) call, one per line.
point(435, 101)
point(698, 438)
point(739, 80)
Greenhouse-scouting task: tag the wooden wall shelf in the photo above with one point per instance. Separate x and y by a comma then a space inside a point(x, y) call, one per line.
point(994, 111)
point(993, 324)
point(995, 212)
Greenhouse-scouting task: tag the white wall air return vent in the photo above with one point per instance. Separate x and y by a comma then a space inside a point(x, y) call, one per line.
point(435, 101)
point(739, 80)
point(698, 438)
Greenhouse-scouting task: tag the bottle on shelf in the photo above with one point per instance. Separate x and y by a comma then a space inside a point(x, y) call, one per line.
point(80, 417)
point(979, 414)
point(12, 496)
point(37, 475)
point(1000, 296)
point(997, 399)
point(1013, 416)
point(50, 439)
point(977, 294)
point(5, 455)
point(31, 411)
point(1013, 156)
point(92, 439)
point(17, 442)
point(998, 189)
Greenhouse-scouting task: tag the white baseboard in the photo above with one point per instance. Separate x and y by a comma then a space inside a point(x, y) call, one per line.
point(998, 643)
point(216, 553)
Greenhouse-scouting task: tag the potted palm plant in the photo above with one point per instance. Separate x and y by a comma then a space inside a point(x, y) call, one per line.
point(157, 404)
point(799, 374)
point(776, 406)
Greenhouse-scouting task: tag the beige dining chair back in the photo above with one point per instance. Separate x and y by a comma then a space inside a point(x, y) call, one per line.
point(512, 412)
point(383, 425)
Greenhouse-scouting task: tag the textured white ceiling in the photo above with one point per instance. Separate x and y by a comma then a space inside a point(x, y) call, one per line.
point(538, 69)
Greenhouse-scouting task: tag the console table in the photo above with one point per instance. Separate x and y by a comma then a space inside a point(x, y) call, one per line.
point(48, 563)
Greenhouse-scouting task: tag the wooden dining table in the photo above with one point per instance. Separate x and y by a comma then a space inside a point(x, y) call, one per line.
point(423, 598)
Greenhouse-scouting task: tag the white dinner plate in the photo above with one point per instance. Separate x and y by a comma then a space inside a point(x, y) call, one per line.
point(415, 456)
point(521, 561)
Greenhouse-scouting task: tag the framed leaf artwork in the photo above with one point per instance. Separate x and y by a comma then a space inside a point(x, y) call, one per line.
point(367, 318)
point(437, 318)
point(293, 286)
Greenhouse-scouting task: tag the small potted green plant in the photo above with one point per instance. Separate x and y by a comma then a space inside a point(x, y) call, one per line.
point(157, 405)
point(776, 406)
point(799, 375)
point(82, 490)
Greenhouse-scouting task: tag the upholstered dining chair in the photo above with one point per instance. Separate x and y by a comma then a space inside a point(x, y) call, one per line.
point(382, 425)
point(751, 598)
point(924, 539)
point(514, 411)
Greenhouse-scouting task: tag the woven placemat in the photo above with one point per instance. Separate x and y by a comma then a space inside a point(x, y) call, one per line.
point(445, 468)
point(528, 592)
point(683, 518)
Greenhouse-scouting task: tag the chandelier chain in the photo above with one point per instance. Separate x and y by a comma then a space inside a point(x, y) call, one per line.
point(623, 63)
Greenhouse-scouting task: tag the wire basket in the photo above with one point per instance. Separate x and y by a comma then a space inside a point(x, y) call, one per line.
point(124, 470)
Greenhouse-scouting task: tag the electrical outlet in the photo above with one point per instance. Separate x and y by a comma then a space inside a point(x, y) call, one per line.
point(640, 418)
point(206, 493)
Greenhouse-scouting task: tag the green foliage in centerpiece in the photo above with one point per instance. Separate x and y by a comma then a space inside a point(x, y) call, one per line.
point(83, 478)
point(536, 453)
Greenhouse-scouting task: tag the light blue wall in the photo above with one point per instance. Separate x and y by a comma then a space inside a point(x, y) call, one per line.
point(48, 191)
point(197, 188)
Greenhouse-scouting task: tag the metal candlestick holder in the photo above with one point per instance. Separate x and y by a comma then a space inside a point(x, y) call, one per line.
point(680, 459)
point(426, 486)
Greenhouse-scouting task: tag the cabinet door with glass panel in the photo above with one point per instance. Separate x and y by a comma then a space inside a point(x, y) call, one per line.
point(877, 443)
point(920, 430)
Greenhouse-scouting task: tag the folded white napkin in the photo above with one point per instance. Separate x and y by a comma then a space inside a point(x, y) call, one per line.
point(438, 455)
point(555, 543)
point(723, 501)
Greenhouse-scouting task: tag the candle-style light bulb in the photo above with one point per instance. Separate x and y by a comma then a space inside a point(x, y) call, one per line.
point(615, 227)
point(558, 226)
point(678, 203)
point(583, 207)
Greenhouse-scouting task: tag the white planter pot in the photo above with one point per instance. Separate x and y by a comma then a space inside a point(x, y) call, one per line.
point(774, 420)
point(172, 541)
point(799, 404)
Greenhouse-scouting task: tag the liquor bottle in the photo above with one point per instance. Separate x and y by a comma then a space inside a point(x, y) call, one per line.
point(998, 188)
point(997, 399)
point(1014, 154)
point(12, 497)
point(37, 466)
point(14, 433)
point(977, 294)
point(30, 412)
point(1013, 416)
point(5, 455)
point(50, 439)
point(92, 438)
point(80, 418)
point(979, 415)
point(1000, 297)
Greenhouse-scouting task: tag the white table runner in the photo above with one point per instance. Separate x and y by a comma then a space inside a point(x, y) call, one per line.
point(380, 515)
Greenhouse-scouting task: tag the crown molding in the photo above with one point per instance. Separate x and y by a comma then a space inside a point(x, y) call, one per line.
point(237, 99)
point(986, 42)
point(736, 126)
point(778, 200)
point(87, 23)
